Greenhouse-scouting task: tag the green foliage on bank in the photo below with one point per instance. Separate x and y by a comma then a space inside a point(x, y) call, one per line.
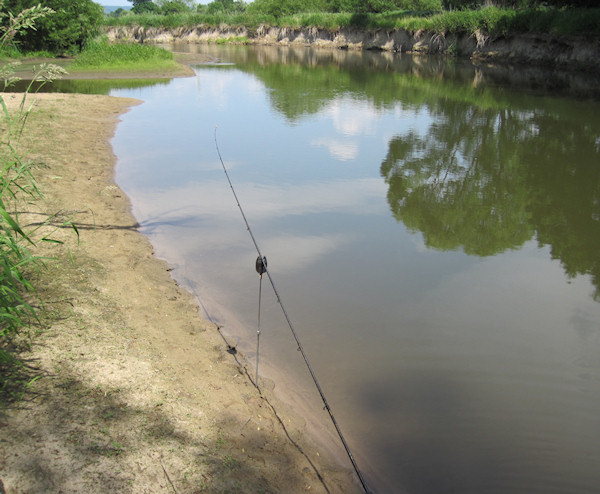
point(71, 24)
point(422, 14)
point(494, 20)
point(190, 20)
point(102, 56)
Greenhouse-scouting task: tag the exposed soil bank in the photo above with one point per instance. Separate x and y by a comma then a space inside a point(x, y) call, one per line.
point(580, 53)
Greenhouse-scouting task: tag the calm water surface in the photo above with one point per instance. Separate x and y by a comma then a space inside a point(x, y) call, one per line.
point(434, 232)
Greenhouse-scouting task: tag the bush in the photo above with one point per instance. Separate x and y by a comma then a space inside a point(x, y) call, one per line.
point(380, 6)
point(225, 6)
point(118, 12)
point(494, 20)
point(174, 7)
point(71, 25)
point(144, 7)
point(279, 8)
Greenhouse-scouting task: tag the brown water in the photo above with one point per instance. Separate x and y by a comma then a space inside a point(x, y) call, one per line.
point(433, 229)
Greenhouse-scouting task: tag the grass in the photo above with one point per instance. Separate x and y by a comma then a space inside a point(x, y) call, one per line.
point(16, 183)
point(541, 20)
point(492, 20)
point(191, 20)
point(104, 56)
point(18, 186)
point(8, 53)
point(233, 40)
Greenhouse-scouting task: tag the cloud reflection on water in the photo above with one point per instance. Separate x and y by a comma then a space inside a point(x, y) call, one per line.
point(260, 202)
point(203, 208)
point(338, 149)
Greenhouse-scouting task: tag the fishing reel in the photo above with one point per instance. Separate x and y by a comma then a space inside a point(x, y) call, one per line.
point(261, 265)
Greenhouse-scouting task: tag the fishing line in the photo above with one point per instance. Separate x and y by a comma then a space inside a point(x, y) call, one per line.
point(289, 322)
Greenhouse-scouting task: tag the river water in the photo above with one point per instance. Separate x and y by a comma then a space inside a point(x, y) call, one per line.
point(433, 230)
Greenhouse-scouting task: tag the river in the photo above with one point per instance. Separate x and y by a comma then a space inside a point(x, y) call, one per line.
point(433, 230)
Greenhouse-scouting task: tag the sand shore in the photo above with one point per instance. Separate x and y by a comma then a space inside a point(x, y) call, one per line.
point(135, 392)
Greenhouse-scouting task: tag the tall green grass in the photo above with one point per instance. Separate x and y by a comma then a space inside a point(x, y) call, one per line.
point(17, 187)
point(493, 20)
point(16, 183)
point(18, 261)
point(541, 20)
point(102, 55)
point(191, 20)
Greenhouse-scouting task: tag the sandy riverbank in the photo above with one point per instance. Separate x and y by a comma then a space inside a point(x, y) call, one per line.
point(137, 393)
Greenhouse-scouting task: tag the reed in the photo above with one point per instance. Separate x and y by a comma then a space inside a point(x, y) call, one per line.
point(16, 259)
point(19, 261)
point(17, 187)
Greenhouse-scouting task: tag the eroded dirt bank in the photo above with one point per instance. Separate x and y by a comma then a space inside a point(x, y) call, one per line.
point(135, 392)
point(557, 51)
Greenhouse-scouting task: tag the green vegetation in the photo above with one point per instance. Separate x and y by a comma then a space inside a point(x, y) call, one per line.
point(17, 184)
point(104, 56)
point(71, 25)
point(457, 16)
point(75, 23)
point(13, 25)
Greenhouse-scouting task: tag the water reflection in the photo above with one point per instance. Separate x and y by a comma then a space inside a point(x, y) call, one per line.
point(434, 234)
point(84, 86)
point(490, 170)
point(488, 180)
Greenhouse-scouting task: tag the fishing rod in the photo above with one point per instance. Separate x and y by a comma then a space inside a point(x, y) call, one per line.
point(261, 268)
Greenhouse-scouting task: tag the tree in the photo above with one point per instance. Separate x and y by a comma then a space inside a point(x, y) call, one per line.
point(173, 7)
point(278, 8)
point(11, 25)
point(73, 23)
point(142, 6)
point(118, 12)
point(226, 6)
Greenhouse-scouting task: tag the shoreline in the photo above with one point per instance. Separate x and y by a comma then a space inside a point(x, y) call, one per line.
point(133, 390)
point(576, 53)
